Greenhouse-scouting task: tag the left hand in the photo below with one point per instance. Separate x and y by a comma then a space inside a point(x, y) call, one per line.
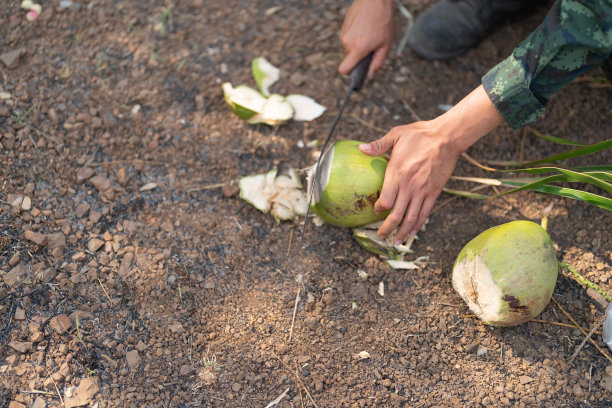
point(423, 159)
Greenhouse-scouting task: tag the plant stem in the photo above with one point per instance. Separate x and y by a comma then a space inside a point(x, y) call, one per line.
point(585, 281)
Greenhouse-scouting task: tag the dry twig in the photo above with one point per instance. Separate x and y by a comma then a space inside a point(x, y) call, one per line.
point(582, 330)
point(297, 299)
point(596, 326)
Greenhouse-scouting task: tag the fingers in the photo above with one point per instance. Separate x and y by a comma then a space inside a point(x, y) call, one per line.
point(377, 61)
point(351, 59)
point(398, 207)
point(380, 146)
point(415, 217)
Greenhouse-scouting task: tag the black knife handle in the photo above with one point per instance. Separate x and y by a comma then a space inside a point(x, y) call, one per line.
point(360, 71)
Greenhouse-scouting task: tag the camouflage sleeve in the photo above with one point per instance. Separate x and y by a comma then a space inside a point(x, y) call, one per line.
point(574, 36)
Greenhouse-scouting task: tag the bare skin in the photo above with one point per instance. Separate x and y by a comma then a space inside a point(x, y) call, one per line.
point(423, 154)
point(368, 26)
point(423, 157)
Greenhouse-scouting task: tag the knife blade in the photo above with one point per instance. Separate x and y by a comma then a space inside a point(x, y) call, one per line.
point(357, 79)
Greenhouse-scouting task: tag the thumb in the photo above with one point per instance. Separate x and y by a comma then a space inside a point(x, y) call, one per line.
point(378, 147)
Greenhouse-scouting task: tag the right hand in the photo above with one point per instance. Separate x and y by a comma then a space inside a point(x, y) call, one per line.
point(368, 26)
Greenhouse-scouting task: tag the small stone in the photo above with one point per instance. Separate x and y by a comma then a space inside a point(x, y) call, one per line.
point(11, 58)
point(81, 210)
point(176, 327)
point(21, 346)
point(94, 244)
point(37, 337)
point(84, 393)
point(141, 346)
point(19, 314)
point(236, 387)
point(15, 276)
point(15, 404)
point(36, 237)
point(101, 183)
point(82, 314)
point(94, 216)
point(525, 379)
point(26, 204)
point(14, 259)
point(122, 177)
point(577, 389)
point(133, 359)
point(60, 324)
point(124, 268)
point(311, 322)
point(606, 383)
point(84, 174)
point(56, 240)
point(39, 403)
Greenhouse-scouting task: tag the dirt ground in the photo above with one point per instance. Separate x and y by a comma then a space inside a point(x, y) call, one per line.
point(128, 272)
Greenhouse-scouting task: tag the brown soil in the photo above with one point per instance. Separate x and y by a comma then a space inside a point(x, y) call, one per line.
point(185, 293)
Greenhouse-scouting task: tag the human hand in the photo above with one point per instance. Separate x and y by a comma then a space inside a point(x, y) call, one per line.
point(423, 157)
point(368, 26)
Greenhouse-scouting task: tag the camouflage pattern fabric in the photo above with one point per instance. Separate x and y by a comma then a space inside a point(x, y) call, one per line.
point(574, 37)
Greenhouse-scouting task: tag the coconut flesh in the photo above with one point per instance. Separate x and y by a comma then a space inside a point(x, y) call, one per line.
point(347, 186)
point(265, 74)
point(507, 274)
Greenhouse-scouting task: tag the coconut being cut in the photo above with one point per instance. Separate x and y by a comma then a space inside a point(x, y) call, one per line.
point(347, 186)
point(507, 274)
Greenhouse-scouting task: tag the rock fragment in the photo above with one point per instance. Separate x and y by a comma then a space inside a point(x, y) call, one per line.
point(101, 183)
point(84, 393)
point(11, 58)
point(133, 359)
point(60, 324)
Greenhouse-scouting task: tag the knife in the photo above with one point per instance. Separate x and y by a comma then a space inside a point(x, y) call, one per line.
point(357, 78)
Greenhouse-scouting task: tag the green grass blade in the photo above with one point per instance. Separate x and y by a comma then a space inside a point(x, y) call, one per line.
point(581, 151)
point(557, 140)
point(600, 201)
point(598, 179)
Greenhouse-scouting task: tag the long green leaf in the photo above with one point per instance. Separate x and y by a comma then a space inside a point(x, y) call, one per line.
point(468, 194)
point(581, 151)
point(596, 178)
point(600, 201)
point(557, 140)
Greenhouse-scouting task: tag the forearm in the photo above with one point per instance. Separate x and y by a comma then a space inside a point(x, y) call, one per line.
point(469, 120)
point(574, 36)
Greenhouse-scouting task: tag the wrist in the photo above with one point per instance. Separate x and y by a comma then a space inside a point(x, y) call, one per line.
point(468, 121)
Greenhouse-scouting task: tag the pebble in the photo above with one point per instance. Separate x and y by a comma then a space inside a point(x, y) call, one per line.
point(26, 204)
point(15, 275)
point(101, 183)
point(14, 260)
point(60, 324)
point(94, 244)
point(122, 177)
point(36, 237)
point(39, 403)
point(84, 393)
point(11, 58)
point(84, 174)
point(19, 314)
point(21, 346)
point(81, 210)
point(15, 404)
point(133, 359)
point(236, 387)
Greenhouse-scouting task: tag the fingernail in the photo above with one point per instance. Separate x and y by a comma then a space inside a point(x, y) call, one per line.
point(365, 148)
point(413, 233)
point(397, 242)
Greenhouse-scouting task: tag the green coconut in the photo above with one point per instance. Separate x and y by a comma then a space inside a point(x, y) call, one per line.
point(507, 274)
point(348, 184)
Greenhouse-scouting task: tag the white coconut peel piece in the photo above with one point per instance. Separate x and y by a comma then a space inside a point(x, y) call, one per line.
point(305, 108)
point(258, 190)
point(265, 74)
point(246, 102)
point(275, 111)
point(281, 196)
point(399, 264)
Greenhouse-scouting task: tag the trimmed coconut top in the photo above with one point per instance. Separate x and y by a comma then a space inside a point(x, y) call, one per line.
point(473, 282)
point(265, 74)
point(324, 172)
